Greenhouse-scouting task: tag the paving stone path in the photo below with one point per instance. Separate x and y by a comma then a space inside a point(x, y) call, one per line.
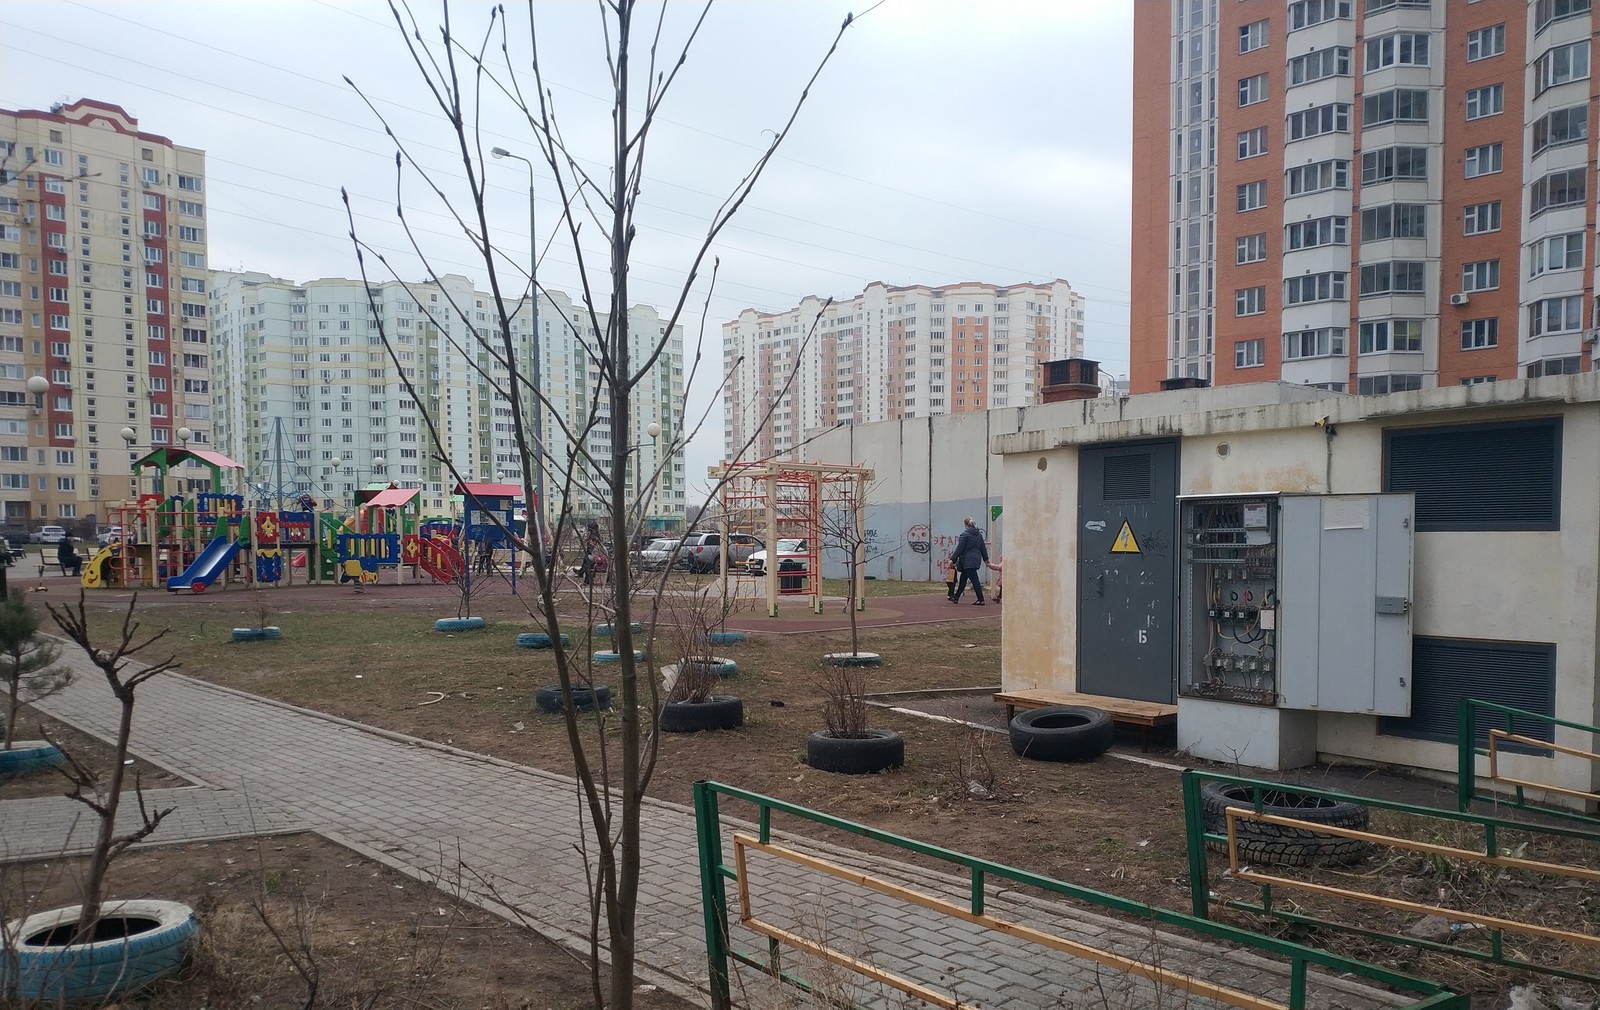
point(429, 811)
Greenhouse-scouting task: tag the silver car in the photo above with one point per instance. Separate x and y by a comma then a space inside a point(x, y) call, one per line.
point(657, 554)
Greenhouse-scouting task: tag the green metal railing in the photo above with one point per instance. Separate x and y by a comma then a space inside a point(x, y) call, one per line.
point(1202, 898)
point(716, 873)
point(1467, 753)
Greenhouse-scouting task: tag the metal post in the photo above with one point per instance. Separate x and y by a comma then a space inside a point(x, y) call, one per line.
point(1466, 754)
point(713, 898)
point(1194, 834)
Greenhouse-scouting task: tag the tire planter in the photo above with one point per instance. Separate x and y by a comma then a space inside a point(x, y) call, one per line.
point(1275, 844)
point(453, 624)
point(256, 634)
point(136, 943)
point(716, 712)
point(605, 630)
point(584, 699)
point(725, 637)
point(880, 750)
point(539, 640)
point(29, 756)
point(724, 668)
point(852, 658)
point(616, 657)
point(1062, 733)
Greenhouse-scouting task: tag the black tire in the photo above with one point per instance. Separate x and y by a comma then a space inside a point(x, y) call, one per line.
point(717, 712)
point(852, 658)
point(144, 941)
point(880, 750)
point(1062, 733)
point(584, 699)
point(1274, 844)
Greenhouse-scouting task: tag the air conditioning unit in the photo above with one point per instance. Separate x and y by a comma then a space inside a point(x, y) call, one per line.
point(1591, 336)
point(1460, 298)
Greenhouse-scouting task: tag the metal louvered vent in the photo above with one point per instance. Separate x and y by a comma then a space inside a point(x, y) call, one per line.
point(1479, 476)
point(1126, 478)
point(1445, 670)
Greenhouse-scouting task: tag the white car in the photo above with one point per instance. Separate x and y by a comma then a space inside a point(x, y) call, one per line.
point(792, 557)
point(48, 534)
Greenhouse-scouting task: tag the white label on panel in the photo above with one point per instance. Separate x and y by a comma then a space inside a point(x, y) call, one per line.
point(1345, 512)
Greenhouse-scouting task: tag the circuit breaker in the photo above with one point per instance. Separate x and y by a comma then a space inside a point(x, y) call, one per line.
point(1297, 601)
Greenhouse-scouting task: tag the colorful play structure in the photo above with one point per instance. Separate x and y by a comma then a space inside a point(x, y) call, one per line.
point(214, 540)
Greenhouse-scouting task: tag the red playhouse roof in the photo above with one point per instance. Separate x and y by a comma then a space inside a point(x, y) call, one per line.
point(483, 491)
point(393, 497)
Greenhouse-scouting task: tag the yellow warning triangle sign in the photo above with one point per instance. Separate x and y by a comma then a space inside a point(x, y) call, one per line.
point(1125, 542)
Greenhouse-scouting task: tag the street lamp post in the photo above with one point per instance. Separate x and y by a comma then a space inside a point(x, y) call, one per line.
point(37, 386)
point(538, 389)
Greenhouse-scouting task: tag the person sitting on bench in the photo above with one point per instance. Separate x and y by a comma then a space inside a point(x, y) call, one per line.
point(71, 564)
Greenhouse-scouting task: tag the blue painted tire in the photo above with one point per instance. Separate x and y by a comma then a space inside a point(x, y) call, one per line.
point(616, 657)
point(539, 640)
point(725, 637)
point(724, 668)
point(32, 756)
point(58, 972)
point(604, 630)
point(452, 624)
point(256, 634)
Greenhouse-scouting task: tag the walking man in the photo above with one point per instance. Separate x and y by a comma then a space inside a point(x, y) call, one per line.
point(971, 554)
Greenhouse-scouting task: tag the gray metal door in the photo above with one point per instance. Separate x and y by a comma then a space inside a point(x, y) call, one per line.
point(1128, 570)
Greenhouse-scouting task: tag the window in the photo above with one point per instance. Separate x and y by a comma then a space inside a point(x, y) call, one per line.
point(1397, 105)
point(1404, 49)
point(1392, 163)
point(1445, 670)
point(1379, 6)
point(152, 201)
point(1333, 118)
point(1323, 175)
point(1323, 287)
point(1481, 217)
point(1253, 36)
point(1486, 101)
point(1249, 353)
point(1474, 477)
point(1250, 301)
point(1483, 160)
point(1563, 314)
point(1557, 252)
point(1486, 42)
point(1377, 385)
point(52, 157)
point(1324, 342)
point(1250, 248)
point(1380, 336)
point(1315, 66)
point(189, 234)
point(1561, 65)
point(1483, 275)
point(153, 306)
point(1252, 195)
point(196, 260)
point(189, 182)
point(1253, 143)
point(1253, 90)
point(1319, 231)
point(1560, 189)
point(1395, 277)
point(1394, 220)
point(150, 176)
point(1547, 11)
point(1305, 13)
point(1563, 126)
point(1477, 380)
point(191, 208)
point(1477, 334)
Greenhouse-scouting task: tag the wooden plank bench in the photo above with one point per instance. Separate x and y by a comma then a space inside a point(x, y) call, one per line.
point(1128, 711)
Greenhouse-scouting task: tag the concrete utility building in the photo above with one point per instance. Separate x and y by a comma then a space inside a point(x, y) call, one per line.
point(1302, 573)
point(1365, 195)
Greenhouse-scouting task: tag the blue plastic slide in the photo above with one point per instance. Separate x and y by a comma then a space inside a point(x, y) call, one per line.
point(208, 567)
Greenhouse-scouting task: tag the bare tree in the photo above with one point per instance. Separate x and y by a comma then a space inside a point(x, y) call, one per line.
point(468, 81)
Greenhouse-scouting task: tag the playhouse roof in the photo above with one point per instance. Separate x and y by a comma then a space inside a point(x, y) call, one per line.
point(393, 497)
point(170, 457)
point(485, 491)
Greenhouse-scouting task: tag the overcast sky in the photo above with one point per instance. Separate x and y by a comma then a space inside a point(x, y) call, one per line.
point(946, 140)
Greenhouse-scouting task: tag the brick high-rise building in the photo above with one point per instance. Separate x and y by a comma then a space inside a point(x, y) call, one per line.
point(890, 352)
point(103, 297)
point(1364, 195)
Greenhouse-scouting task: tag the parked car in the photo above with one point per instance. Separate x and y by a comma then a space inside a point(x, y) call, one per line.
point(657, 553)
point(109, 535)
point(700, 553)
point(48, 534)
point(792, 557)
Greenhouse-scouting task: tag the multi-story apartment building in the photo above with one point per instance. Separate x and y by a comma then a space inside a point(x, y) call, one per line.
point(889, 352)
point(316, 403)
point(1364, 195)
point(102, 296)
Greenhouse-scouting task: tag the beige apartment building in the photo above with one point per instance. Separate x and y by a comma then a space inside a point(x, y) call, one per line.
point(1362, 195)
point(103, 307)
point(888, 353)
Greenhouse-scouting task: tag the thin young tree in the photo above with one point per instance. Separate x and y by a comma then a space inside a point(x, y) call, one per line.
point(470, 81)
point(28, 669)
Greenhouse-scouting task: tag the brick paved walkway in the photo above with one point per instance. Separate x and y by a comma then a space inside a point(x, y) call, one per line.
point(428, 810)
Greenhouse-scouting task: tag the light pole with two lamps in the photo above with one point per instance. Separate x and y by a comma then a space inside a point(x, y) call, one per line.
point(352, 469)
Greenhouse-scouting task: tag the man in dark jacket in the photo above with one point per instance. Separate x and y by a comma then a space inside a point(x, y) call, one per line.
point(971, 554)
